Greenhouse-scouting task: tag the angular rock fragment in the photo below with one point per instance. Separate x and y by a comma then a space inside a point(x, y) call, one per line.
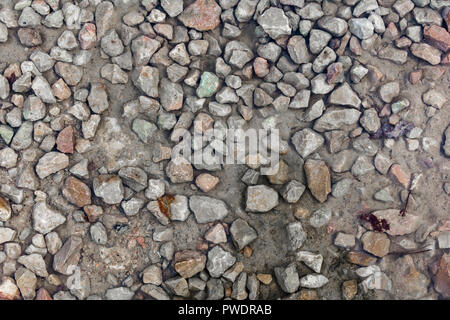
point(261, 198)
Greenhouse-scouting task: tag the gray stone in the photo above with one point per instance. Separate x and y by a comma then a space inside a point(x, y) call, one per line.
point(98, 98)
point(345, 96)
point(261, 198)
point(320, 85)
point(51, 163)
point(178, 286)
point(35, 263)
point(41, 60)
point(120, 293)
point(370, 120)
point(146, 79)
point(143, 49)
point(242, 233)
point(297, 49)
point(313, 281)
point(219, 261)
point(361, 28)
point(98, 233)
point(111, 44)
point(340, 188)
point(67, 40)
point(171, 95)
point(336, 26)
point(109, 188)
point(46, 219)
point(287, 278)
point(364, 6)
point(326, 57)
point(296, 235)
point(71, 74)
point(155, 292)
point(207, 209)
point(389, 91)
point(7, 234)
point(275, 23)
point(42, 89)
point(307, 141)
point(337, 118)
point(320, 217)
point(293, 191)
point(312, 260)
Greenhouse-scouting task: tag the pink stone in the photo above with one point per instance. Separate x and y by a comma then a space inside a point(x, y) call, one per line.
point(65, 140)
point(398, 224)
point(202, 15)
point(88, 36)
point(261, 67)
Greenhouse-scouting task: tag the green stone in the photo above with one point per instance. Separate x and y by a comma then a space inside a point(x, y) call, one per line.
point(144, 129)
point(209, 83)
point(399, 105)
point(166, 121)
point(421, 3)
point(6, 133)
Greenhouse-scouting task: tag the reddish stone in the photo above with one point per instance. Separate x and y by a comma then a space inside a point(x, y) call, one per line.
point(415, 76)
point(261, 67)
point(29, 37)
point(202, 15)
point(76, 192)
point(426, 52)
point(203, 122)
point(93, 212)
point(344, 41)
point(442, 277)
point(403, 42)
point(43, 294)
point(375, 75)
point(446, 16)
point(391, 32)
point(355, 46)
point(247, 72)
point(65, 140)
point(385, 111)
point(13, 72)
point(400, 175)
point(282, 41)
point(334, 43)
point(61, 90)
point(437, 37)
point(398, 225)
point(446, 59)
point(88, 36)
point(206, 182)
point(333, 72)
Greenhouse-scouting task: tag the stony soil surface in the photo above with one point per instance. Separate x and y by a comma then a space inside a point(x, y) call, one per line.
point(93, 206)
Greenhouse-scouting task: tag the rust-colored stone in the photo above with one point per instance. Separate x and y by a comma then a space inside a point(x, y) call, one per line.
point(361, 258)
point(93, 212)
point(415, 76)
point(76, 192)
